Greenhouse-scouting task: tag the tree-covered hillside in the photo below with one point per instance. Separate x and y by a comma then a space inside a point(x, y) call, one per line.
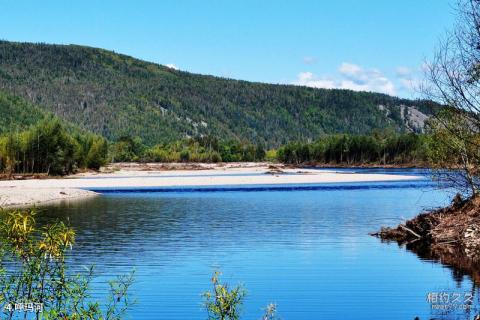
point(115, 95)
point(17, 114)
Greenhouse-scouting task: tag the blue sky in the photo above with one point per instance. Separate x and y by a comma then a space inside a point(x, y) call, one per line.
point(375, 45)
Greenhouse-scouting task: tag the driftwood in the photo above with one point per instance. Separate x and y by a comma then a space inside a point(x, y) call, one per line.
point(410, 230)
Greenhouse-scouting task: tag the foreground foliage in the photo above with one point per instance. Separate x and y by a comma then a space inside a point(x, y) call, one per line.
point(34, 271)
point(225, 303)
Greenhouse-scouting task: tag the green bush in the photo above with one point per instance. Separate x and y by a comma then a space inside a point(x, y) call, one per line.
point(33, 270)
point(225, 303)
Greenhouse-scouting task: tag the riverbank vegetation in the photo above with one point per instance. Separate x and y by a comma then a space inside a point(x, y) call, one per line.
point(380, 148)
point(197, 149)
point(48, 147)
point(36, 281)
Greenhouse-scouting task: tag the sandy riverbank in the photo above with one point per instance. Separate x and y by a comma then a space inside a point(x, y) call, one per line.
point(29, 192)
point(19, 196)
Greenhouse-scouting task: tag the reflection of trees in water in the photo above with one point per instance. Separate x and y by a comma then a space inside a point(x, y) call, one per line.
point(463, 268)
point(460, 304)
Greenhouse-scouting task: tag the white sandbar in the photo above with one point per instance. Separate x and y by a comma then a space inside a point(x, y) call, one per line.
point(30, 192)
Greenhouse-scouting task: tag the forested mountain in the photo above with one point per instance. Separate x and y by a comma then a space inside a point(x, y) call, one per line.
point(116, 95)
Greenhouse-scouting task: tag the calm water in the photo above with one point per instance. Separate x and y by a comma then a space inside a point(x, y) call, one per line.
point(306, 250)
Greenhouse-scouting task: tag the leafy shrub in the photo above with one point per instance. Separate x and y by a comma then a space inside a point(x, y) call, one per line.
point(33, 270)
point(225, 303)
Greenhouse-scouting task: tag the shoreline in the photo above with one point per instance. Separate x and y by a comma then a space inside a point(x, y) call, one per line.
point(15, 197)
point(159, 175)
point(449, 235)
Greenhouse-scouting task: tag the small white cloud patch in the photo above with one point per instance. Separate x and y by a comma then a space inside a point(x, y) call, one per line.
point(351, 76)
point(171, 66)
point(309, 79)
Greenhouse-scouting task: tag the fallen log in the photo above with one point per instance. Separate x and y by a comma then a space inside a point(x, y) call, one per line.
point(410, 230)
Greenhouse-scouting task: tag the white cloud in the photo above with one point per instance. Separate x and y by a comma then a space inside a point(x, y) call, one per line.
point(351, 76)
point(308, 79)
point(172, 66)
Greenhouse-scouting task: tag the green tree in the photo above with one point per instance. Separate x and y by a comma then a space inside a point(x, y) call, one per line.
point(97, 153)
point(127, 149)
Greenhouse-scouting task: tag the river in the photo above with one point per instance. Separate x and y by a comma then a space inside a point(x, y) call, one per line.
point(305, 249)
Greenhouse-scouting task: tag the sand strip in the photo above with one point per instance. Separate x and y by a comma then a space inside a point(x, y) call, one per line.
point(29, 192)
point(21, 196)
